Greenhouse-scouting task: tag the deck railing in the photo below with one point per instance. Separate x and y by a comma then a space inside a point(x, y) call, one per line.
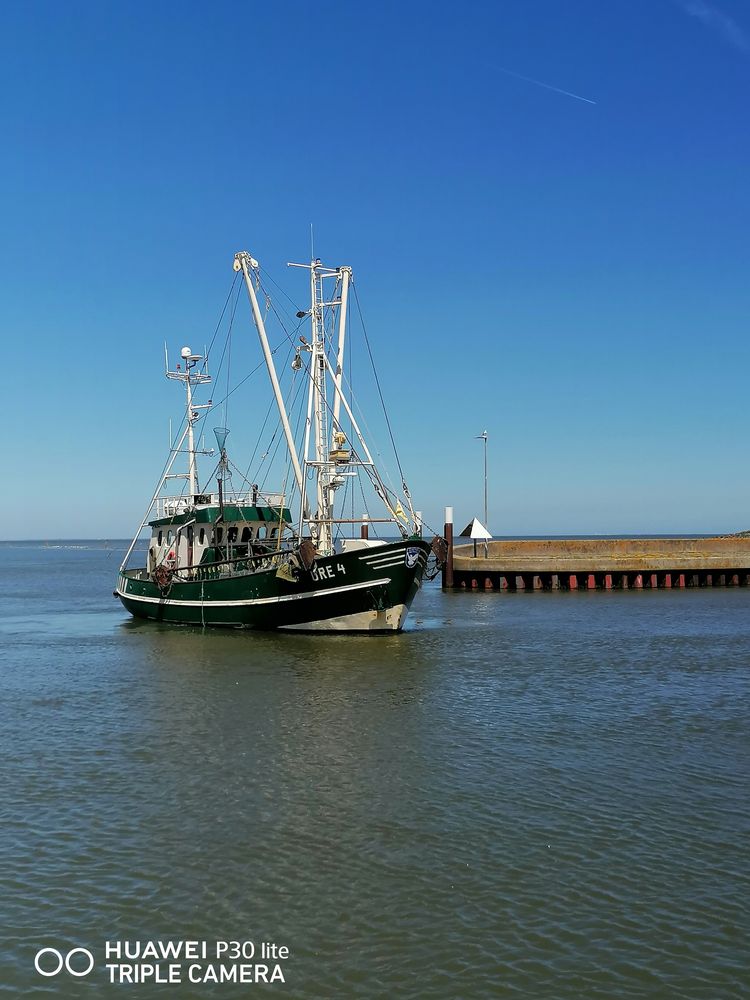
point(171, 506)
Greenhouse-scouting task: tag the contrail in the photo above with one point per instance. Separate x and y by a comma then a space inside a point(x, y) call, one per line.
point(719, 21)
point(547, 86)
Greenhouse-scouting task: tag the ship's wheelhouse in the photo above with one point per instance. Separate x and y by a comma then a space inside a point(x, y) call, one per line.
point(205, 535)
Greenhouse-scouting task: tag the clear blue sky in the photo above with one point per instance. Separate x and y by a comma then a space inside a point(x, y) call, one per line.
point(571, 276)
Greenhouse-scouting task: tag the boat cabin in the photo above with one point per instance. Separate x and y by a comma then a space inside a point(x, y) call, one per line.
point(200, 535)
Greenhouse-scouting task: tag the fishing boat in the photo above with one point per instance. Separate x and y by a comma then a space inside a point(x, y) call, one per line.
point(229, 553)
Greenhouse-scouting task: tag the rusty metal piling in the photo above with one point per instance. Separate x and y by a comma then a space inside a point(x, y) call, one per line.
point(642, 564)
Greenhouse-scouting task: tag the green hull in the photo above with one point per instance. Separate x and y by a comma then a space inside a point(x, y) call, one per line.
point(366, 590)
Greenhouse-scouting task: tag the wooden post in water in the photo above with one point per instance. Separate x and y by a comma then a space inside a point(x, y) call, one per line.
point(448, 536)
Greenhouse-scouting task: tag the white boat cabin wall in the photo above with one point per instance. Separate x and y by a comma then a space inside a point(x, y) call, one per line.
point(192, 544)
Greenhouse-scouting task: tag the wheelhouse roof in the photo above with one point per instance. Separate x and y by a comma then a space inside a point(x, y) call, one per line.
point(232, 513)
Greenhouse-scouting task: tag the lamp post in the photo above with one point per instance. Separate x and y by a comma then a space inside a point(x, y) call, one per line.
point(483, 437)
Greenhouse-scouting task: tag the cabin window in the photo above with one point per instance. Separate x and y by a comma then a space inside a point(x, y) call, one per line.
point(232, 535)
point(219, 535)
point(190, 535)
point(161, 536)
point(245, 534)
point(202, 536)
point(169, 536)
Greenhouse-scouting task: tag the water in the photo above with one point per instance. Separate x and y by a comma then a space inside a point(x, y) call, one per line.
point(540, 795)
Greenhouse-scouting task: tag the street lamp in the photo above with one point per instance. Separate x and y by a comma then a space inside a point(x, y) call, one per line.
point(483, 437)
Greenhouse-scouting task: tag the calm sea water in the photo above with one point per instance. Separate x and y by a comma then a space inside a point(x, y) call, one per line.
point(540, 795)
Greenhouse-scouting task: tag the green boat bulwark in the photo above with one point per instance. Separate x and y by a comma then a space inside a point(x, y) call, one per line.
point(361, 590)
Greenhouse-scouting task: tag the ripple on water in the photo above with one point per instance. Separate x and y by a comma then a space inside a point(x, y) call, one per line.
point(537, 796)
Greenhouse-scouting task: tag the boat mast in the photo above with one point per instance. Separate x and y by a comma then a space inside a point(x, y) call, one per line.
point(325, 541)
point(190, 378)
point(329, 455)
point(346, 274)
point(243, 262)
point(191, 415)
point(317, 402)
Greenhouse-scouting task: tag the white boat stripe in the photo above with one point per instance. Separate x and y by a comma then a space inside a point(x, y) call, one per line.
point(252, 602)
point(397, 560)
point(382, 555)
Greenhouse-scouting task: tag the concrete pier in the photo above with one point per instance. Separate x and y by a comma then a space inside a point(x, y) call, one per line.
point(602, 564)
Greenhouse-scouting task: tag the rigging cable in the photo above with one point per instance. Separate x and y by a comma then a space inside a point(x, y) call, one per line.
point(269, 410)
point(221, 317)
point(377, 383)
point(227, 342)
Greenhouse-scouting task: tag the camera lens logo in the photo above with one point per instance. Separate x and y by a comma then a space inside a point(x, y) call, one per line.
point(50, 962)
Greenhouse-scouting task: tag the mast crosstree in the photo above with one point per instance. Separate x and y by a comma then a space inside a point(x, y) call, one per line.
point(191, 377)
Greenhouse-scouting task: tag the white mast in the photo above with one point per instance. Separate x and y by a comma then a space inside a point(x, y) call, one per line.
point(243, 262)
point(346, 273)
point(191, 437)
point(317, 405)
point(189, 377)
point(319, 408)
point(328, 458)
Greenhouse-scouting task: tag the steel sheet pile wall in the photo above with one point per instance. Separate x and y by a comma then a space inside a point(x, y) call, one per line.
point(603, 564)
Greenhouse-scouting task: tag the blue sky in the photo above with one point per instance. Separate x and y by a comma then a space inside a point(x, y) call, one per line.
point(571, 276)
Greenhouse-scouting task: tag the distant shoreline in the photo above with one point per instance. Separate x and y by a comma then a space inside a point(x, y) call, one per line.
point(458, 541)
